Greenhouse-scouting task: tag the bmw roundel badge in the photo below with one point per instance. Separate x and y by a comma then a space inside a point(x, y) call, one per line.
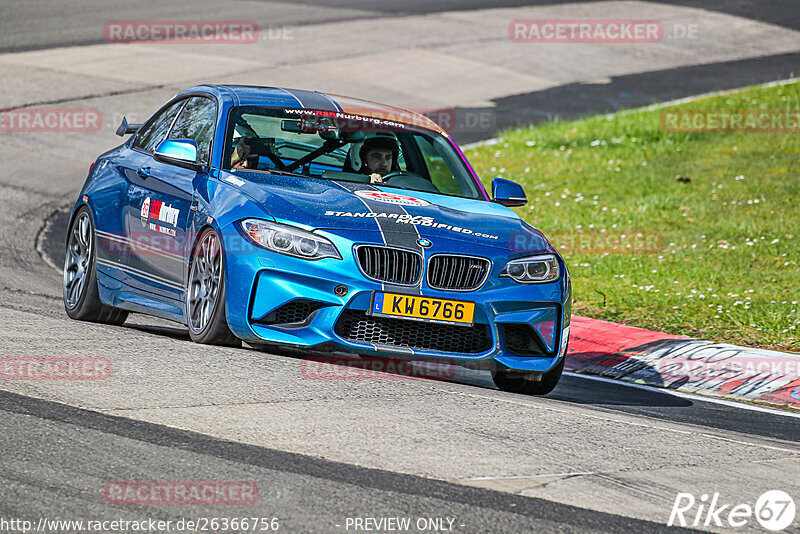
point(424, 242)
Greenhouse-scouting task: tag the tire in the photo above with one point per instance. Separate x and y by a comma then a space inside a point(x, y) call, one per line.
point(81, 296)
point(205, 294)
point(519, 383)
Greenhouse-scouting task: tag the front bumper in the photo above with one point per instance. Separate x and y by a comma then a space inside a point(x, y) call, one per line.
point(272, 298)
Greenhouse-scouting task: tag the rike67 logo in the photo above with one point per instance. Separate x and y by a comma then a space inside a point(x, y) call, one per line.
point(774, 510)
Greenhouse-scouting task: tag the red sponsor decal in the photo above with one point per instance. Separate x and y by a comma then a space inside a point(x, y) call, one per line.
point(392, 198)
point(155, 208)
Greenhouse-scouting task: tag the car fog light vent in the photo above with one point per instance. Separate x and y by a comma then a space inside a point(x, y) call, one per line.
point(520, 339)
point(294, 313)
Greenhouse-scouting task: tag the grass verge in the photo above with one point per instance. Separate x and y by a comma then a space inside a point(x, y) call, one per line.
point(687, 233)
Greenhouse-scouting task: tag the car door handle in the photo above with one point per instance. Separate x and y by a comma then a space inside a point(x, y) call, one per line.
point(144, 172)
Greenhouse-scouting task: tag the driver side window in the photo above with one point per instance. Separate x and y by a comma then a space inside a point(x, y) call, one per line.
point(196, 122)
point(156, 130)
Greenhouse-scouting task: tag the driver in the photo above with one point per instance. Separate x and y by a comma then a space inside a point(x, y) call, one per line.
point(379, 157)
point(243, 156)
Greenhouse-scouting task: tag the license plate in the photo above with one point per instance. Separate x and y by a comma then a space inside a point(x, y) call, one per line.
point(422, 308)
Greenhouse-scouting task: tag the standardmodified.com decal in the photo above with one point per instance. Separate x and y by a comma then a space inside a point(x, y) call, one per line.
point(403, 218)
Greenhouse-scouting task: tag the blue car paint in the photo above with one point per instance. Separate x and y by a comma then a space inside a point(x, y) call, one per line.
point(259, 281)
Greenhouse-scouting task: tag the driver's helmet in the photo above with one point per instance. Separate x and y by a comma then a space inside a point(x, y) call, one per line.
point(383, 142)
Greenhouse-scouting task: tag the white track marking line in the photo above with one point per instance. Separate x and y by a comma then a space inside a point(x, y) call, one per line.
point(743, 404)
point(519, 477)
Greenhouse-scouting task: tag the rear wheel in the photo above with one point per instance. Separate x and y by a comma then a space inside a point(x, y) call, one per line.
point(205, 302)
point(516, 382)
point(81, 297)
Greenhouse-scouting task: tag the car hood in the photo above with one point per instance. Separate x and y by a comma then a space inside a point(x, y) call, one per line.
point(346, 206)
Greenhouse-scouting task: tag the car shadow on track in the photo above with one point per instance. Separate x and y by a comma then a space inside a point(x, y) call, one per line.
point(174, 332)
point(327, 366)
point(580, 390)
point(574, 389)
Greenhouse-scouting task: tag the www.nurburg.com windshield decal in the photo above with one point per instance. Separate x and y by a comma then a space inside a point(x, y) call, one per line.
point(345, 116)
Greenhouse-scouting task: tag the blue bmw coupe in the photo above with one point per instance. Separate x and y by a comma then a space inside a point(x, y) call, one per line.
point(320, 222)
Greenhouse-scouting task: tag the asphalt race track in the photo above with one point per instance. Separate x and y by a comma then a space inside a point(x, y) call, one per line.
point(593, 456)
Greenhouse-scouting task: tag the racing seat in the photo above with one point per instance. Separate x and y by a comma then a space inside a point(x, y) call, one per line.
point(348, 162)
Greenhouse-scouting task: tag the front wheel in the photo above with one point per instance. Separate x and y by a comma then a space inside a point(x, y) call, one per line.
point(519, 383)
point(81, 297)
point(205, 295)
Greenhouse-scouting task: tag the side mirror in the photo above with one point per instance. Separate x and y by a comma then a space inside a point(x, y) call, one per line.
point(125, 128)
point(508, 193)
point(180, 152)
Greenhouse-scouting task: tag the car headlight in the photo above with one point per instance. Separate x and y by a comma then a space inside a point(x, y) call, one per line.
point(288, 240)
point(532, 270)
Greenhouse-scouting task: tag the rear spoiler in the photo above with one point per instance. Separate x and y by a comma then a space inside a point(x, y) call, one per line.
point(125, 128)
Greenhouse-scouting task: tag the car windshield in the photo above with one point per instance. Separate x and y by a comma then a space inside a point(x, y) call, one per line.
point(345, 147)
